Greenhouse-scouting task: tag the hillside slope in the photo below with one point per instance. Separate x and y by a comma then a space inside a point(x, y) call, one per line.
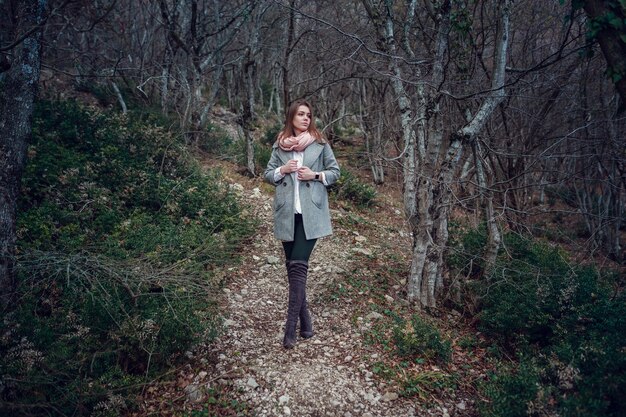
point(337, 372)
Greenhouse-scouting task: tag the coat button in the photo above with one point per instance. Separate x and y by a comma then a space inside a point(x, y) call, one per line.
point(308, 185)
point(284, 184)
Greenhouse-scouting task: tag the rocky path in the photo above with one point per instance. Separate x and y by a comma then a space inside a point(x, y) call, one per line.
point(328, 375)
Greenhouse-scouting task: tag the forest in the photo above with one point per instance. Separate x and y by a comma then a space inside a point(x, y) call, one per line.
point(478, 263)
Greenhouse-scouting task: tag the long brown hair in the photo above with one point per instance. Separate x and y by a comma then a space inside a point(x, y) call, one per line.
point(291, 113)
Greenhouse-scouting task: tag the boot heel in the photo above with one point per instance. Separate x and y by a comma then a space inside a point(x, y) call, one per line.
point(289, 343)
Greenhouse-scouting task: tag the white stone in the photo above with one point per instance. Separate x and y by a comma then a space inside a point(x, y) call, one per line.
point(252, 383)
point(236, 187)
point(272, 260)
point(194, 393)
point(283, 399)
point(389, 298)
point(286, 411)
point(390, 396)
point(373, 315)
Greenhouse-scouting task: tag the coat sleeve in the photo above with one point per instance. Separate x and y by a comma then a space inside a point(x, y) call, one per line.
point(331, 167)
point(273, 163)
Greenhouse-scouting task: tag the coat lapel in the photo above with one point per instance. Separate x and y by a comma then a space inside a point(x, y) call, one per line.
point(284, 156)
point(311, 153)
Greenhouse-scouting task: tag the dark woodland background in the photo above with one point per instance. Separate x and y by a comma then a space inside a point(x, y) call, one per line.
point(497, 124)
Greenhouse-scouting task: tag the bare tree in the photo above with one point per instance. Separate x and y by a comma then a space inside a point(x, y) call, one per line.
point(608, 21)
point(201, 31)
point(248, 72)
point(431, 158)
point(21, 52)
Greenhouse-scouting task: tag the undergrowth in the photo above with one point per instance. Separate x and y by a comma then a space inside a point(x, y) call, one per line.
point(120, 233)
point(565, 324)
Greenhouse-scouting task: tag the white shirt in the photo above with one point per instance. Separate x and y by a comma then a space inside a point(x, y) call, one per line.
point(298, 156)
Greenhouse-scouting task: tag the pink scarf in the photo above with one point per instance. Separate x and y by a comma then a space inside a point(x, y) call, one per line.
point(296, 143)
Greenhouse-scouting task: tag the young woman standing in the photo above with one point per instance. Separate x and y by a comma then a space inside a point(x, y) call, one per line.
point(301, 166)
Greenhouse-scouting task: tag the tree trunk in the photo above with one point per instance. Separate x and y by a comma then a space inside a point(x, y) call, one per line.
point(119, 96)
point(429, 218)
point(611, 40)
point(494, 238)
point(18, 89)
point(286, 58)
point(372, 132)
point(165, 79)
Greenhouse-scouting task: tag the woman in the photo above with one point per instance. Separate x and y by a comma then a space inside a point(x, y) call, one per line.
point(302, 165)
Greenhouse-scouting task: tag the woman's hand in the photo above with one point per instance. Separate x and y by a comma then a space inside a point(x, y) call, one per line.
point(289, 167)
point(305, 174)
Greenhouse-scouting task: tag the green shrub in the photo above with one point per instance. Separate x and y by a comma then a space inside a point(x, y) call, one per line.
point(466, 248)
point(350, 188)
point(420, 338)
point(217, 141)
point(262, 154)
point(566, 323)
point(118, 231)
point(424, 383)
point(271, 134)
point(82, 316)
point(513, 391)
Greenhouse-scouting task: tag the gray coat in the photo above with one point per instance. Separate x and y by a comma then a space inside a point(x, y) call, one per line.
point(313, 194)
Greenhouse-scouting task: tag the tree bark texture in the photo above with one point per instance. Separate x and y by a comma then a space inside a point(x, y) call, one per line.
point(611, 40)
point(18, 89)
point(429, 161)
point(288, 50)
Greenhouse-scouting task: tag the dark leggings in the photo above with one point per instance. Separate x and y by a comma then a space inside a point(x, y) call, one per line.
point(300, 248)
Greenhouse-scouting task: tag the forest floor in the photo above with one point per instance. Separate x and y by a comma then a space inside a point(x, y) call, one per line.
point(349, 368)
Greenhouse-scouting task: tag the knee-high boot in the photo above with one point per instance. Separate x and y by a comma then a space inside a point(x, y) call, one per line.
point(306, 326)
point(296, 273)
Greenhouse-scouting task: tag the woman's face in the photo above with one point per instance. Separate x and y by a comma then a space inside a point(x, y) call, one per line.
point(301, 120)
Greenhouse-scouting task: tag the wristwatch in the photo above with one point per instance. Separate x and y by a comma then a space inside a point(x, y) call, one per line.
point(317, 176)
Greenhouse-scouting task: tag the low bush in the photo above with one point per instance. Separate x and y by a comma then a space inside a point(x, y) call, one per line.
point(119, 232)
point(217, 141)
point(271, 134)
point(418, 337)
point(262, 154)
point(567, 323)
point(350, 188)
